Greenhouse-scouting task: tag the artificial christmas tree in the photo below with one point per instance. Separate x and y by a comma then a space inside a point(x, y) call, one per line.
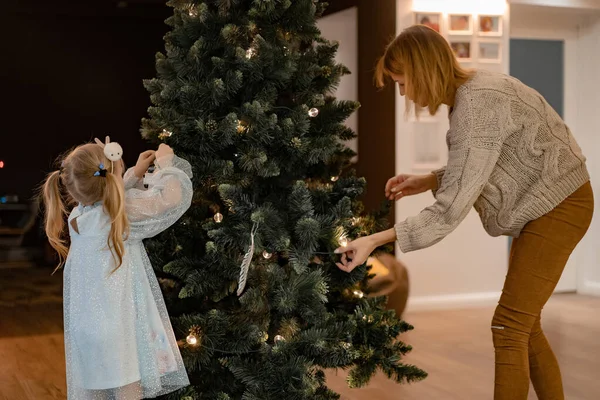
point(244, 93)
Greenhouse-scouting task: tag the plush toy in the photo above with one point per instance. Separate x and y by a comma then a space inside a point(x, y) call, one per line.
point(113, 151)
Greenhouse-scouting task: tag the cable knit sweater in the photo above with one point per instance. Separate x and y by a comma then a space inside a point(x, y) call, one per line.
point(510, 156)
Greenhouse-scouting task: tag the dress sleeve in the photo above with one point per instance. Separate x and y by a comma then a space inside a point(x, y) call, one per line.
point(131, 181)
point(169, 195)
point(477, 132)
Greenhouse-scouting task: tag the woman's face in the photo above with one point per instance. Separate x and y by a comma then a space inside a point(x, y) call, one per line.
point(399, 79)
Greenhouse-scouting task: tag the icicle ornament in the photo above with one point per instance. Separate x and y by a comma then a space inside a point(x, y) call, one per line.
point(246, 262)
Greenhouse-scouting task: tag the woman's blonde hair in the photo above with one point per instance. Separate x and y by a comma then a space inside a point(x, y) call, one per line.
point(428, 64)
point(77, 177)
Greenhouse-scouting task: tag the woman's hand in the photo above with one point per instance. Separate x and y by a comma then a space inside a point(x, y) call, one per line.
point(408, 185)
point(143, 163)
point(355, 253)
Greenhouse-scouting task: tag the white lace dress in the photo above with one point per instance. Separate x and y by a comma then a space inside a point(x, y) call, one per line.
point(119, 342)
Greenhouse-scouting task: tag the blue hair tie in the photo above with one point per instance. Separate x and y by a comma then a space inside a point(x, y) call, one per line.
point(101, 171)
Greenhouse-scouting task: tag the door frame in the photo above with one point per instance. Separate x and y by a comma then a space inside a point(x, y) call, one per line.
point(569, 281)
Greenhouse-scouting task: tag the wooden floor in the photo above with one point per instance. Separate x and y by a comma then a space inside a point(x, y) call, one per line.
point(454, 347)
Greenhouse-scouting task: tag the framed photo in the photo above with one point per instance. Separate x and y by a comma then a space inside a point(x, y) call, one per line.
point(426, 146)
point(432, 20)
point(460, 24)
point(462, 49)
point(490, 25)
point(490, 52)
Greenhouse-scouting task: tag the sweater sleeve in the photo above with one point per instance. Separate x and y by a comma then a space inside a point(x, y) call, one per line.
point(439, 175)
point(475, 140)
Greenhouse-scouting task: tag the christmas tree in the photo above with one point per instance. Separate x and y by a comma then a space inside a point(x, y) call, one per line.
point(243, 92)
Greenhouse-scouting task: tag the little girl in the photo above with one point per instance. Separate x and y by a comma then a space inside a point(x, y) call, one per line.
point(119, 343)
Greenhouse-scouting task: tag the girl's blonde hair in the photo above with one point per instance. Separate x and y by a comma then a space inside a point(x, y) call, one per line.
point(80, 185)
point(428, 64)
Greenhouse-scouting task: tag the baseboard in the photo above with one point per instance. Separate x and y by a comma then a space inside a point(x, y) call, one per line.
point(463, 300)
point(590, 288)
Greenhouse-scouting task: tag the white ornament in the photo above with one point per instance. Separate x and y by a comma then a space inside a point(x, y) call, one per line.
point(313, 112)
point(246, 262)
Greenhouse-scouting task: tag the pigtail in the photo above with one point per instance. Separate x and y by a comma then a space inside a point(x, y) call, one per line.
point(114, 206)
point(54, 216)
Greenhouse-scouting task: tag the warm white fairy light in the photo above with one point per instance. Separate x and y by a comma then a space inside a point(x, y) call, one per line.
point(279, 339)
point(218, 218)
point(313, 112)
point(250, 53)
point(241, 127)
point(191, 339)
point(267, 255)
point(165, 134)
point(359, 294)
point(334, 178)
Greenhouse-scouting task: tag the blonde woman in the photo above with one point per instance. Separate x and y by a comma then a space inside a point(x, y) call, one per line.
point(119, 342)
point(512, 158)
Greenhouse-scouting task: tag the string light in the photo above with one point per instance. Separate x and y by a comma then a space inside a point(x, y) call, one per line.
point(334, 178)
point(191, 339)
point(279, 339)
point(241, 128)
point(194, 338)
point(344, 241)
point(250, 53)
point(165, 134)
point(265, 336)
point(313, 112)
point(346, 345)
point(218, 218)
point(358, 294)
point(267, 255)
point(192, 11)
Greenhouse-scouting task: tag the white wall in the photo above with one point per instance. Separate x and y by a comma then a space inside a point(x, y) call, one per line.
point(588, 136)
point(343, 27)
point(468, 267)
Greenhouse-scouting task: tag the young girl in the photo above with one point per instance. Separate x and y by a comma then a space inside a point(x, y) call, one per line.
point(119, 343)
point(512, 158)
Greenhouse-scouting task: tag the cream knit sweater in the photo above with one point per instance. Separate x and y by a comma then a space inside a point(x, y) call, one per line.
point(510, 155)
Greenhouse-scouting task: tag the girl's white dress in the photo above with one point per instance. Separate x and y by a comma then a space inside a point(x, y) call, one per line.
point(119, 342)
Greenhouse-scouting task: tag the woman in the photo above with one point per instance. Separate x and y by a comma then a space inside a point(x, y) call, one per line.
point(513, 159)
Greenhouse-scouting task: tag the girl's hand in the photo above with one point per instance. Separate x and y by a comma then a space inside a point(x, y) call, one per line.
point(356, 253)
point(164, 152)
point(143, 163)
point(408, 185)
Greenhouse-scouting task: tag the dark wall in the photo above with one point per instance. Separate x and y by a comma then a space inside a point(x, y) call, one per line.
point(70, 73)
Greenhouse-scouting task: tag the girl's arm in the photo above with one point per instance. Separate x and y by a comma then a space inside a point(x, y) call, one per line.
point(167, 198)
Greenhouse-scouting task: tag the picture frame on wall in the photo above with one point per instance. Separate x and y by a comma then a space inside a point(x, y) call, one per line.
point(489, 51)
point(489, 25)
point(426, 145)
point(462, 49)
point(460, 24)
point(432, 20)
